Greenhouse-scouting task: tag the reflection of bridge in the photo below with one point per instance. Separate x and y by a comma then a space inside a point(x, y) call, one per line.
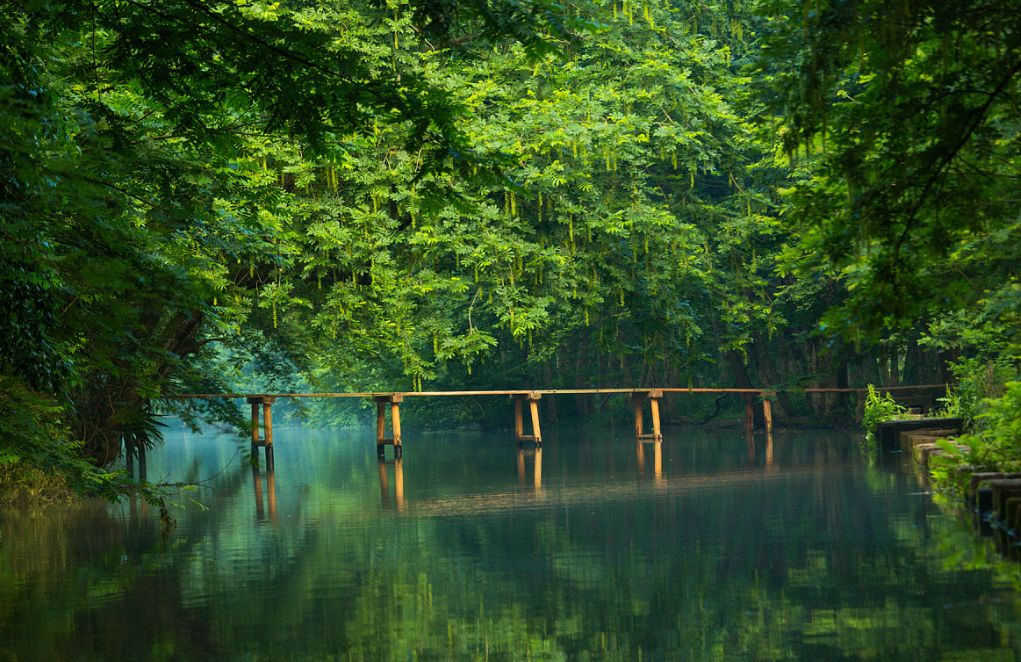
point(534, 493)
point(262, 404)
point(468, 505)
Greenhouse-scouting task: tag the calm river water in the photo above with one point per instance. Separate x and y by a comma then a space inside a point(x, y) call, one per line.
point(707, 548)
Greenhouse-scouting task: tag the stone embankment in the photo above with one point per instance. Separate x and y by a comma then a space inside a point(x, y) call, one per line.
point(993, 497)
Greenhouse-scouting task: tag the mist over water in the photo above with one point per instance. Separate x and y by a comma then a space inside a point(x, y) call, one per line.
point(707, 546)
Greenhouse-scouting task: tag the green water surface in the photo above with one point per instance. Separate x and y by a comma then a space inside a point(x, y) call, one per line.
point(705, 547)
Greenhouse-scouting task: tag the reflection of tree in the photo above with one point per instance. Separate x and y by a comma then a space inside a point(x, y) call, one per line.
point(818, 557)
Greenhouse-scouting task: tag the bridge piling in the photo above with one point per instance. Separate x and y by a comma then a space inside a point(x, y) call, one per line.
point(533, 411)
point(767, 414)
point(266, 438)
point(382, 441)
point(653, 396)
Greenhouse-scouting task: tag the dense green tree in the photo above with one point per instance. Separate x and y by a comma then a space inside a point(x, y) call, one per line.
point(141, 222)
point(389, 195)
point(907, 113)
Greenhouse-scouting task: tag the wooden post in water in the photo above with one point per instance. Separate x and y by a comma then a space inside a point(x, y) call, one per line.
point(255, 420)
point(395, 424)
point(767, 414)
point(749, 413)
point(266, 402)
point(521, 467)
point(255, 431)
point(267, 424)
point(519, 423)
point(533, 406)
point(537, 469)
point(380, 427)
point(654, 398)
point(267, 420)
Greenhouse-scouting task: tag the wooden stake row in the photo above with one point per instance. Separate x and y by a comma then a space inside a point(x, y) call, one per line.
point(519, 423)
point(382, 441)
point(637, 399)
point(394, 400)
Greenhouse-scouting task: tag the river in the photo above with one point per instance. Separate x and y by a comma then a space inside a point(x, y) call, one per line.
point(707, 546)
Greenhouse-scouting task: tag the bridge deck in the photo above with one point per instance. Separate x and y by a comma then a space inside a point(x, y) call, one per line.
point(545, 391)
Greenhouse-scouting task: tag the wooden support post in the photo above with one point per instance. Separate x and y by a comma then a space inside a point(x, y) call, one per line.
point(749, 413)
point(767, 414)
point(519, 423)
point(267, 421)
point(654, 397)
point(380, 426)
point(657, 461)
point(533, 406)
point(537, 469)
point(641, 457)
point(256, 402)
point(395, 423)
point(267, 433)
point(255, 421)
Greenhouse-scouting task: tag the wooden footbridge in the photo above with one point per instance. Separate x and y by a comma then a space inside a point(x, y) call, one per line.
point(262, 408)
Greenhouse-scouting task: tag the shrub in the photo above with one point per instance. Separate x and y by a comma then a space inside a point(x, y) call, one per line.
point(879, 407)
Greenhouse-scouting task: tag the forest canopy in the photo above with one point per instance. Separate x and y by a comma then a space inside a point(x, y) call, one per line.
point(220, 196)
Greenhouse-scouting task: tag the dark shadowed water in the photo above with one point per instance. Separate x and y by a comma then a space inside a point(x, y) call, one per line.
point(703, 547)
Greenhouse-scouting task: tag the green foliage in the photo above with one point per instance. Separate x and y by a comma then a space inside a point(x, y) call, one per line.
point(879, 407)
point(906, 118)
point(996, 440)
point(148, 184)
point(977, 382)
point(38, 460)
point(205, 196)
